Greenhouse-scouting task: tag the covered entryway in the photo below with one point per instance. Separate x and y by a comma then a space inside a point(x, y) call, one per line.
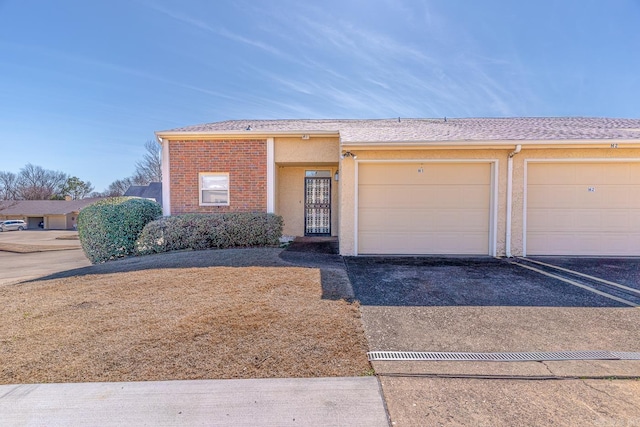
point(440, 207)
point(305, 198)
point(583, 208)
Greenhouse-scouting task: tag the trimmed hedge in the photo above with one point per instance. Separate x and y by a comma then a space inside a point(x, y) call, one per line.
point(210, 231)
point(109, 228)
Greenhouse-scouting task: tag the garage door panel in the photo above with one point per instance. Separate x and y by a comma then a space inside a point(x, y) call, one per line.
point(476, 196)
point(57, 222)
point(596, 211)
point(588, 244)
point(413, 243)
point(384, 195)
point(448, 220)
point(543, 177)
point(538, 195)
point(443, 210)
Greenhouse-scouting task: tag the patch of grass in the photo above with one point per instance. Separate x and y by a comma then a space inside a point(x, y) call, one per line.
point(171, 324)
point(27, 249)
point(68, 237)
point(369, 372)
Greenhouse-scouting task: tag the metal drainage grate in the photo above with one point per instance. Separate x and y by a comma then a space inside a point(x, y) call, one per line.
point(626, 355)
point(501, 357)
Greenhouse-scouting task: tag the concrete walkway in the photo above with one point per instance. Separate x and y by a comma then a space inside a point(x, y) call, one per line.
point(259, 402)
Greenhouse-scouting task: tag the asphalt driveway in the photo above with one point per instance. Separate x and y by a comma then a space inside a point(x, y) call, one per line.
point(442, 282)
point(492, 305)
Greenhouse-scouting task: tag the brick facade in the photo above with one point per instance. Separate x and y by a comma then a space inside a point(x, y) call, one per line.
point(244, 160)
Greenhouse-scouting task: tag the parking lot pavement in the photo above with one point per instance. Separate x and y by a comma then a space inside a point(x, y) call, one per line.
point(50, 238)
point(38, 264)
point(44, 252)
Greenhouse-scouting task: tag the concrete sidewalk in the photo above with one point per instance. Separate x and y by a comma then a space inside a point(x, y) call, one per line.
point(258, 402)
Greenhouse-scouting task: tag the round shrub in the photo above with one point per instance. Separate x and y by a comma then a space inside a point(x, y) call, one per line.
point(108, 229)
point(210, 231)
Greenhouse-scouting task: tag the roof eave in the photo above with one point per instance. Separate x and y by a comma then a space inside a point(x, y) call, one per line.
point(247, 134)
point(574, 143)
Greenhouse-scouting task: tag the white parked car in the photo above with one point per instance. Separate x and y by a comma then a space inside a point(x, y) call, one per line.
point(13, 224)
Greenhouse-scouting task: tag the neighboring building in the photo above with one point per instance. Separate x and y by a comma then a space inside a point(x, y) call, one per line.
point(54, 214)
point(153, 191)
point(488, 186)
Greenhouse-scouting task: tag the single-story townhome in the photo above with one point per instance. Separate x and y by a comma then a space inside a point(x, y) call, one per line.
point(151, 191)
point(473, 186)
point(53, 214)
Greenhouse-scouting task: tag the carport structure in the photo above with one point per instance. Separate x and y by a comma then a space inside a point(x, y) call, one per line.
point(54, 214)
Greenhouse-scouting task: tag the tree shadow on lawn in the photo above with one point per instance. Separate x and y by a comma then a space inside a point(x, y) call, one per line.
point(334, 279)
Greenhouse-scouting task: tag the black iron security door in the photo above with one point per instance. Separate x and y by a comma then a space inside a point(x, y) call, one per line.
point(317, 206)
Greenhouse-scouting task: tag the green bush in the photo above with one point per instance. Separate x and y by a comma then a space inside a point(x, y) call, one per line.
point(108, 229)
point(210, 231)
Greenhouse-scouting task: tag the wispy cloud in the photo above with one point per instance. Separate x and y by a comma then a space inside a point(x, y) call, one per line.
point(383, 73)
point(344, 66)
point(220, 31)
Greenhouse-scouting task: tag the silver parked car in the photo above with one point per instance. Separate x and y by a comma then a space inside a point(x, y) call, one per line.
point(13, 224)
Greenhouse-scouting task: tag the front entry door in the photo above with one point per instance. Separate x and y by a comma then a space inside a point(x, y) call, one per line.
point(317, 205)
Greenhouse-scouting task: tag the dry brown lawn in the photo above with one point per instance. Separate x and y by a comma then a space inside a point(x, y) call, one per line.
point(170, 324)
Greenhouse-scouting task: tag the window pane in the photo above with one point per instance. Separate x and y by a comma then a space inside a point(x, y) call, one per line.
point(318, 174)
point(214, 196)
point(214, 189)
point(215, 182)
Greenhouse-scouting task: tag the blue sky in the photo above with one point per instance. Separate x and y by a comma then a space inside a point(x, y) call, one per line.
point(83, 84)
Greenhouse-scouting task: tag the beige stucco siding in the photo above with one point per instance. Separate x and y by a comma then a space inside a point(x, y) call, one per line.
point(290, 198)
point(315, 150)
point(349, 186)
point(293, 156)
point(530, 156)
point(72, 219)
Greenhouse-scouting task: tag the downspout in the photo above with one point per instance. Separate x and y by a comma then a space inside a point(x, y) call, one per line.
point(510, 198)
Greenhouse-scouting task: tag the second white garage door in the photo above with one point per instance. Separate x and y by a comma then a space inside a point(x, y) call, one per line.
point(430, 208)
point(583, 208)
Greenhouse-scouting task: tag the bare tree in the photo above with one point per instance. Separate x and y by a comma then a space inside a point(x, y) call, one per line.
point(8, 186)
point(118, 187)
point(37, 183)
point(149, 169)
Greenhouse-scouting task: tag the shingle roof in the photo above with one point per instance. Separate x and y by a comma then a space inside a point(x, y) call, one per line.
point(151, 191)
point(44, 207)
point(416, 130)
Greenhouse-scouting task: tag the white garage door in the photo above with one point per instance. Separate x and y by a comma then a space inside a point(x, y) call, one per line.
point(583, 209)
point(433, 208)
point(57, 222)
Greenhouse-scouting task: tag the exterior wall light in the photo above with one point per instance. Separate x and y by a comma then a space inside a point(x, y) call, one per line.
point(348, 154)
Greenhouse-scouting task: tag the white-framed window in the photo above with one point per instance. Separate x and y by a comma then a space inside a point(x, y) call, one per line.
point(214, 188)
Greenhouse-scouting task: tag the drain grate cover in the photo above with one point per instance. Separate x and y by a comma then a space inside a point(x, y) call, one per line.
point(501, 357)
